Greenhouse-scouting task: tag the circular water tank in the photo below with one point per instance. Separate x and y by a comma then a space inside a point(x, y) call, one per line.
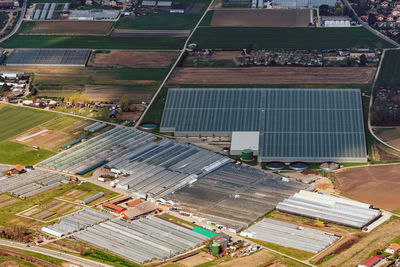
point(148, 126)
point(247, 155)
point(329, 166)
point(298, 166)
point(275, 165)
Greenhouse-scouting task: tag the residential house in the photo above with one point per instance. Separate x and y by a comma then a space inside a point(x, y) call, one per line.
point(390, 18)
point(17, 169)
point(380, 17)
point(385, 4)
point(393, 248)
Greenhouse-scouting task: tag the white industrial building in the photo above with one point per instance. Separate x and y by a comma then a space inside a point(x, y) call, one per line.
point(335, 21)
point(244, 140)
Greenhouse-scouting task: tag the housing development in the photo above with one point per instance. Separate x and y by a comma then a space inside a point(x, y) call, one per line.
point(194, 133)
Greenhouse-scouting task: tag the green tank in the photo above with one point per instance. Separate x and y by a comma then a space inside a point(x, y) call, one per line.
point(215, 249)
point(247, 155)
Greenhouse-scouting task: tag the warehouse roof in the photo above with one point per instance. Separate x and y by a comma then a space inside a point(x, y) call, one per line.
point(295, 124)
point(140, 209)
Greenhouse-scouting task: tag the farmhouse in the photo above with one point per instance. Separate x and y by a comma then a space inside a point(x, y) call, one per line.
point(17, 169)
point(393, 248)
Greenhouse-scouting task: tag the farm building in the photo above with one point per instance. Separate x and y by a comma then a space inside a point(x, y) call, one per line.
point(112, 207)
point(302, 3)
point(329, 208)
point(94, 14)
point(290, 235)
point(335, 21)
point(17, 169)
point(93, 198)
point(178, 8)
point(311, 125)
point(139, 210)
point(49, 57)
point(6, 4)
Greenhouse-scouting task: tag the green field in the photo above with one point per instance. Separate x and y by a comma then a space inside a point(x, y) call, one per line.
point(14, 120)
point(94, 42)
point(159, 22)
point(234, 38)
point(389, 74)
point(15, 153)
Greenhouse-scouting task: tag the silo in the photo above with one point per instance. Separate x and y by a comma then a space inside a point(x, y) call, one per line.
point(247, 155)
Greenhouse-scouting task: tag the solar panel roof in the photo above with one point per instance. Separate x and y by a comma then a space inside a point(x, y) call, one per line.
point(49, 57)
point(310, 125)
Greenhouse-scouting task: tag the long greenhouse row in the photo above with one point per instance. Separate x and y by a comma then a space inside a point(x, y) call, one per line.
point(31, 183)
point(161, 168)
point(291, 235)
point(328, 208)
point(142, 240)
point(95, 127)
point(77, 221)
point(106, 147)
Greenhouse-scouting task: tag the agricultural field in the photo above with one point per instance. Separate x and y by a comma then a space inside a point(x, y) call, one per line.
point(273, 75)
point(14, 120)
point(66, 27)
point(261, 18)
point(99, 83)
point(49, 205)
point(132, 58)
point(15, 153)
point(159, 22)
point(367, 184)
point(390, 135)
point(389, 74)
point(93, 42)
point(236, 38)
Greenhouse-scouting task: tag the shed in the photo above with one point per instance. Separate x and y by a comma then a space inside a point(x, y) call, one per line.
point(113, 207)
point(372, 261)
point(113, 113)
point(17, 169)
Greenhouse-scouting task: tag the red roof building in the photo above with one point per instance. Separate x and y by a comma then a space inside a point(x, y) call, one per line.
point(113, 207)
point(372, 261)
point(120, 200)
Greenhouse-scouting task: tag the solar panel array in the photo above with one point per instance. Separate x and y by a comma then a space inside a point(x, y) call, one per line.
point(310, 125)
point(49, 57)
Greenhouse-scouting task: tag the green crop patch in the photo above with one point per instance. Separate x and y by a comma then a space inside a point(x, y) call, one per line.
point(285, 38)
point(14, 120)
point(14, 153)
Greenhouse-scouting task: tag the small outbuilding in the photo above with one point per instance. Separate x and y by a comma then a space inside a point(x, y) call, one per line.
point(17, 169)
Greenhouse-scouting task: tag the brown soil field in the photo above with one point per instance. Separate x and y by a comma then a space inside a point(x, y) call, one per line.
point(44, 214)
point(195, 260)
point(49, 140)
point(390, 135)
point(8, 202)
point(360, 251)
point(4, 197)
point(36, 261)
point(135, 59)
point(377, 185)
point(257, 259)
point(30, 212)
point(273, 75)
point(261, 18)
point(65, 208)
point(72, 27)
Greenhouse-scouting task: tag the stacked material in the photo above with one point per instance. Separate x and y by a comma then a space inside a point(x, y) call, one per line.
point(31, 183)
point(161, 168)
point(290, 235)
point(142, 240)
point(329, 208)
point(77, 221)
point(95, 127)
point(108, 146)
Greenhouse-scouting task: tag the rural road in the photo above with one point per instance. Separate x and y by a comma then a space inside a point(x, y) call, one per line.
point(53, 253)
point(21, 18)
point(369, 28)
point(175, 64)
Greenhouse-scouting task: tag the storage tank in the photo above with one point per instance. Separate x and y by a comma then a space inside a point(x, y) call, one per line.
point(215, 249)
point(247, 155)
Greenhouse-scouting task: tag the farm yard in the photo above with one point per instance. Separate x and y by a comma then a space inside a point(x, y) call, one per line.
point(261, 18)
point(99, 83)
point(367, 184)
point(272, 75)
point(131, 58)
point(236, 38)
point(67, 27)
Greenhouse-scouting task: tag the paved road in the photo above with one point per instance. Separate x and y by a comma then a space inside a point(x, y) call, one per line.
point(53, 253)
point(369, 28)
point(21, 18)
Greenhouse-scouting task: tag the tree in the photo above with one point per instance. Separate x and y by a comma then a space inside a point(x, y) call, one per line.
point(324, 10)
point(363, 60)
point(371, 19)
point(337, 12)
point(78, 98)
point(124, 103)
